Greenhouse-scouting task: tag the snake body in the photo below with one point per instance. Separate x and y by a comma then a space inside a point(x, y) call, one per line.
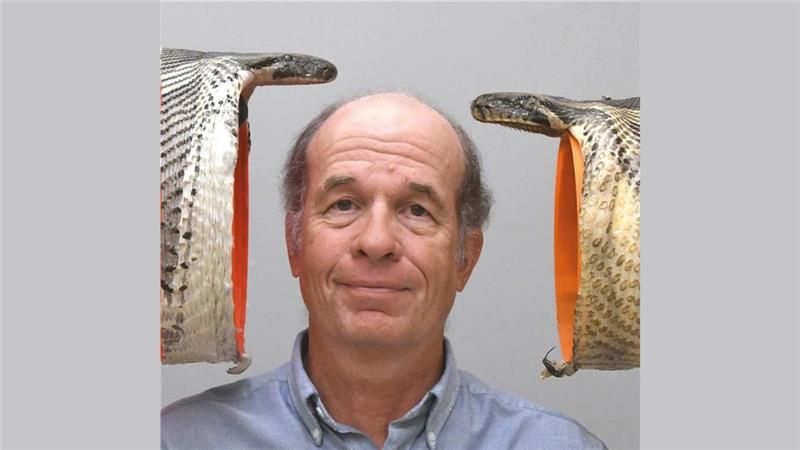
point(606, 324)
point(203, 103)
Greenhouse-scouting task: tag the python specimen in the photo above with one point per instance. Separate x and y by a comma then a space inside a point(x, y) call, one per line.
point(205, 142)
point(597, 221)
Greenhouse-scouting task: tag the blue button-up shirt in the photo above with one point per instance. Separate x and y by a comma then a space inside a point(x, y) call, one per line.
point(282, 410)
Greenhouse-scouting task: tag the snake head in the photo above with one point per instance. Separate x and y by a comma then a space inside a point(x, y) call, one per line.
point(291, 68)
point(528, 112)
point(263, 69)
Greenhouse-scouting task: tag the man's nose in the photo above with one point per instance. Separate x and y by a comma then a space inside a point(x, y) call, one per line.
point(377, 239)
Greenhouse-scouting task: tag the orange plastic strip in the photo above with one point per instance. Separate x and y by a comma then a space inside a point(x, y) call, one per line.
point(240, 234)
point(569, 183)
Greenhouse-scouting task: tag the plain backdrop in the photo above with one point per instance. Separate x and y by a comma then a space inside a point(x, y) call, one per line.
point(448, 53)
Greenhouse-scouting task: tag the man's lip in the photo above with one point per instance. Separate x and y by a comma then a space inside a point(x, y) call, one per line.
point(375, 287)
point(372, 285)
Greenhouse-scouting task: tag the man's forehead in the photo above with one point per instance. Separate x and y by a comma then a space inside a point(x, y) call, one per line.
point(388, 116)
point(382, 106)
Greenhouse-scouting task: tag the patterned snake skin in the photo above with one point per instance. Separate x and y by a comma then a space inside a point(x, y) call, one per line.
point(606, 327)
point(203, 103)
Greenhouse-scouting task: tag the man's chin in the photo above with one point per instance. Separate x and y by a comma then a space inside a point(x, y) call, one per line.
point(377, 328)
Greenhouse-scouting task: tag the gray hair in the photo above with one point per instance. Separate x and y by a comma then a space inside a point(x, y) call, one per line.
point(474, 198)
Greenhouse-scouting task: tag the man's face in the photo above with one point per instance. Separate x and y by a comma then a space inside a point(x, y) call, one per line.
point(379, 232)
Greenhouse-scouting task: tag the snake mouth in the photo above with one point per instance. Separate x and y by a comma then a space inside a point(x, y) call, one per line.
point(298, 80)
point(312, 72)
point(281, 69)
point(531, 113)
point(289, 70)
point(510, 119)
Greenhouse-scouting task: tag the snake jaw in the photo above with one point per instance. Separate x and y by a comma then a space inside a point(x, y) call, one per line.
point(302, 69)
point(290, 68)
point(282, 69)
point(516, 122)
point(520, 111)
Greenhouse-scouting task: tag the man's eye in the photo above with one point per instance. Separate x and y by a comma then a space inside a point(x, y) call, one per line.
point(418, 211)
point(343, 205)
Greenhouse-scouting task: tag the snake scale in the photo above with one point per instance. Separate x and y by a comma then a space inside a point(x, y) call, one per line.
point(205, 141)
point(605, 331)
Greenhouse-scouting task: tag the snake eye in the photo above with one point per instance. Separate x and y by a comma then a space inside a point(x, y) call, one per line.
point(287, 58)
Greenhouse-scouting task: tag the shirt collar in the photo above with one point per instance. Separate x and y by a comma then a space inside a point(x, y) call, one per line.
point(304, 394)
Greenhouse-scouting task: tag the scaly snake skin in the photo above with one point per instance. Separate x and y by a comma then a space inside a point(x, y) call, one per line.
point(203, 102)
point(606, 327)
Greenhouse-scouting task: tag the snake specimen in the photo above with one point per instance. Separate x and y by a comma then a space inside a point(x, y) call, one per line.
point(205, 142)
point(596, 221)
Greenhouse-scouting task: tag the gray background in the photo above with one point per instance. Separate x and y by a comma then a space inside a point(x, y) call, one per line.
point(504, 322)
point(79, 187)
point(720, 227)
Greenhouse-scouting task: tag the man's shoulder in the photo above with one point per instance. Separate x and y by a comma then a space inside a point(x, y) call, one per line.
point(238, 395)
point(473, 386)
point(255, 412)
point(527, 421)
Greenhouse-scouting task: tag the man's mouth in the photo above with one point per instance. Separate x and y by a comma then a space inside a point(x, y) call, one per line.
point(374, 287)
point(374, 295)
point(372, 284)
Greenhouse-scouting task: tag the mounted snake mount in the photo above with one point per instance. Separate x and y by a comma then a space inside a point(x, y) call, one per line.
point(205, 143)
point(596, 221)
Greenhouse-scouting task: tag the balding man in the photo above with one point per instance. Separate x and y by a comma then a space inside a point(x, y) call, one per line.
point(385, 208)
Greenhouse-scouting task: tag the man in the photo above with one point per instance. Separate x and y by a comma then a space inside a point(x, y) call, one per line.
point(385, 208)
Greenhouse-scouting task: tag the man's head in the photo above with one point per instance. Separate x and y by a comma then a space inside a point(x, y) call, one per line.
point(384, 215)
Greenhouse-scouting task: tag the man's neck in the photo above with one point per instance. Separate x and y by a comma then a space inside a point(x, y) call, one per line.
point(367, 388)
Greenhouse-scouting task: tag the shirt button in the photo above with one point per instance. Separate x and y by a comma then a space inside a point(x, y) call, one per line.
point(431, 437)
point(316, 434)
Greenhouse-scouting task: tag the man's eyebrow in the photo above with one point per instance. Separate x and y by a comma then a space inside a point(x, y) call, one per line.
point(334, 181)
point(427, 190)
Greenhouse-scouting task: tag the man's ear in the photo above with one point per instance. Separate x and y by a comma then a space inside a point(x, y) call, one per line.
point(473, 244)
point(291, 250)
